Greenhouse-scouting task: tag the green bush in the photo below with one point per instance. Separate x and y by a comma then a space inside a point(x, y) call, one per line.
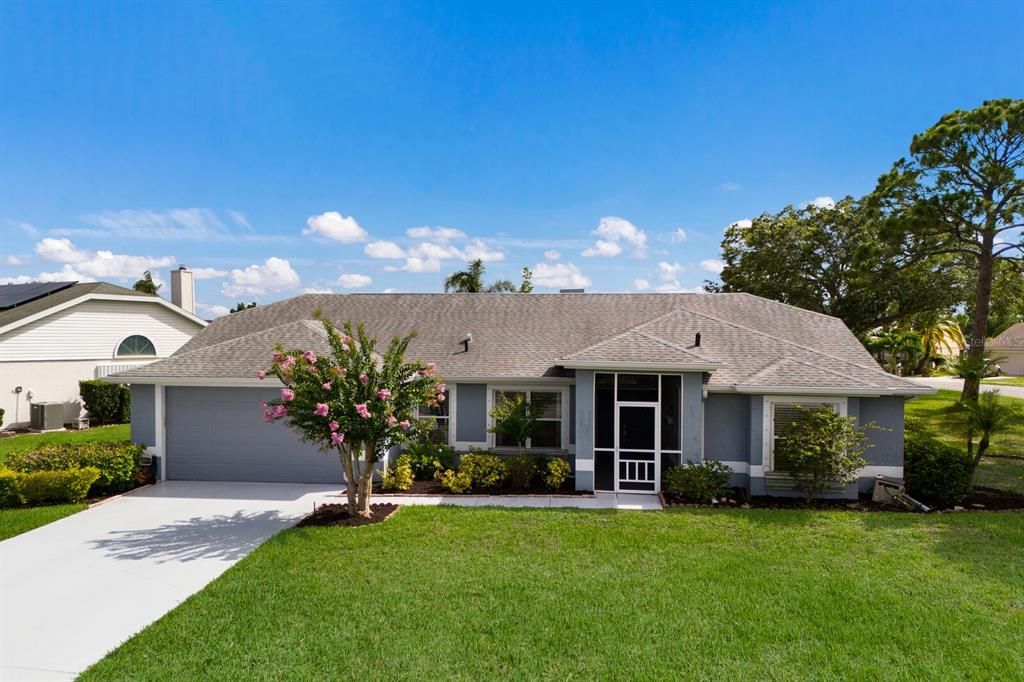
point(427, 458)
point(58, 487)
point(454, 482)
point(523, 472)
point(557, 472)
point(399, 476)
point(485, 471)
point(10, 489)
point(107, 403)
point(697, 482)
point(935, 473)
point(1, 416)
point(117, 462)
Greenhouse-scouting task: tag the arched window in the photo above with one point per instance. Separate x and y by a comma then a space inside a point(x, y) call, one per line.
point(135, 345)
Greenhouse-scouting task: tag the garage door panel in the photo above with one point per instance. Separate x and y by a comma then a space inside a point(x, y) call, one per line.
point(218, 434)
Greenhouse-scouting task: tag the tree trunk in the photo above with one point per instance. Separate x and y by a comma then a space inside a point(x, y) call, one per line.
point(972, 385)
point(366, 479)
point(346, 465)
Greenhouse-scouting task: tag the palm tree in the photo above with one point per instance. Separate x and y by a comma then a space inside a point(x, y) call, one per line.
point(986, 417)
point(937, 336)
point(468, 281)
point(896, 346)
point(146, 285)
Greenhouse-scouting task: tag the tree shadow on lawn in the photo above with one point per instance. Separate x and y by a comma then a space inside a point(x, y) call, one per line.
point(212, 537)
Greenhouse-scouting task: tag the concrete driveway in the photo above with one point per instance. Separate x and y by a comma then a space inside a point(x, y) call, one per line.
point(74, 589)
point(954, 384)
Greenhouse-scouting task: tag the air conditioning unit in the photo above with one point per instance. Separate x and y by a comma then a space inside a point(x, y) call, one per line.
point(47, 416)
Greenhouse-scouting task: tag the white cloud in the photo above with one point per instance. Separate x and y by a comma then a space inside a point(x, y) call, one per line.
point(98, 264)
point(603, 249)
point(239, 219)
point(616, 229)
point(731, 187)
point(678, 236)
point(275, 275)
point(559, 276)
point(212, 310)
point(476, 249)
point(317, 289)
point(430, 250)
point(333, 225)
point(383, 249)
point(351, 280)
point(441, 234)
point(552, 255)
point(19, 279)
point(820, 202)
point(12, 261)
point(177, 223)
point(390, 290)
point(743, 223)
point(641, 284)
point(415, 264)
point(713, 265)
point(668, 271)
point(208, 273)
point(65, 274)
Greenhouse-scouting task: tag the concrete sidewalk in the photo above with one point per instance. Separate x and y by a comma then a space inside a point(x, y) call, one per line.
point(624, 501)
point(954, 384)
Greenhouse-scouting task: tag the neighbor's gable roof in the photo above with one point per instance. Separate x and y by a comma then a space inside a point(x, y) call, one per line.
point(1013, 337)
point(15, 317)
point(519, 336)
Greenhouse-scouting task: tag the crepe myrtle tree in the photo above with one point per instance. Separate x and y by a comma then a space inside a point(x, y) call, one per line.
point(352, 401)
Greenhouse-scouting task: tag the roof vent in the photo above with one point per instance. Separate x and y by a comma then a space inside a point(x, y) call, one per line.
point(570, 291)
point(696, 340)
point(466, 341)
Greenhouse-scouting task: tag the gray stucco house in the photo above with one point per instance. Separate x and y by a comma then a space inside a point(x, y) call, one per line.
point(628, 384)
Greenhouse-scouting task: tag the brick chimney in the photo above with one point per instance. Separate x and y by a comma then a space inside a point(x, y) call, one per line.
point(183, 289)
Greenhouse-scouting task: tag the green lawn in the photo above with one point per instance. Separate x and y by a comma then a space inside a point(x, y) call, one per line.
point(28, 441)
point(449, 593)
point(1005, 473)
point(942, 418)
point(1006, 381)
point(17, 521)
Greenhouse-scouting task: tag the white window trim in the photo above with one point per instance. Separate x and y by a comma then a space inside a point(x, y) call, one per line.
point(117, 346)
point(839, 404)
point(527, 388)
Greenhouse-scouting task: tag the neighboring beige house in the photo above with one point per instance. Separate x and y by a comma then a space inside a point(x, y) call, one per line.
point(1008, 347)
point(54, 334)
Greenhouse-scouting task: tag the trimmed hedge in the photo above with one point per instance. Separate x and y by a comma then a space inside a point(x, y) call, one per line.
point(117, 463)
point(935, 473)
point(697, 482)
point(10, 489)
point(107, 403)
point(57, 487)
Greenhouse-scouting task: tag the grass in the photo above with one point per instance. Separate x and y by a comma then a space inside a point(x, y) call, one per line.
point(940, 416)
point(17, 521)
point(28, 441)
point(447, 593)
point(1005, 473)
point(1006, 381)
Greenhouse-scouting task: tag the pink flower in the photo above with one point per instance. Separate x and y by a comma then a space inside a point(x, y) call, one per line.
point(280, 411)
point(277, 356)
point(309, 356)
point(429, 369)
point(321, 410)
point(334, 426)
point(337, 438)
point(363, 379)
point(440, 397)
point(383, 394)
point(392, 421)
point(288, 363)
point(268, 415)
point(363, 411)
point(326, 386)
point(287, 394)
point(405, 424)
point(261, 374)
point(314, 370)
point(441, 388)
point(263, 404)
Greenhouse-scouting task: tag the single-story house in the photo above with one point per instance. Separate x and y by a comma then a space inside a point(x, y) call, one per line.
point(1008, 348)
point(628, 384)
point(54, 334)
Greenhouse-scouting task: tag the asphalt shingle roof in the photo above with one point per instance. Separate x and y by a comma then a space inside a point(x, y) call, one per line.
point(1013, 337)
point(529, 336)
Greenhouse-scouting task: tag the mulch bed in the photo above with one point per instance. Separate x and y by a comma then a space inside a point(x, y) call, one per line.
point(981, 499)
point(435, 488)
point(994, 499)
point(337, 515)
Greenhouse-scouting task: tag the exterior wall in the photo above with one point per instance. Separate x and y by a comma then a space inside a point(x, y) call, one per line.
point(584, 465)
point(144, 414)
point(470, 413)
point(1012, 363)
point(692, 416)
point(727, 433)
point(886, 457)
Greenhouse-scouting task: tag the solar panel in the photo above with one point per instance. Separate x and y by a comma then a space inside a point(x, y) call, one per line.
point(12, 295)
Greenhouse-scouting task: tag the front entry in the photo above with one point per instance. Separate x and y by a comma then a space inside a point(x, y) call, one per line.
point(637, 460)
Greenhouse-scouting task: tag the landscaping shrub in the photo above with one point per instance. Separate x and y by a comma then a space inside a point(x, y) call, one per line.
point(117, 462)
point(1, 416)
point(557, 471)
point(523, 471)
point(935, 473)
point(58, 487)
point(454, 481)
point(427, 458)
point(485, 471)
point(697, 482)
point(107, 403)
point(10, 489)
point(399, 476)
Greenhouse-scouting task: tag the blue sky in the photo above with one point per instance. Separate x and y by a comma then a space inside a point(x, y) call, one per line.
point(277, 148)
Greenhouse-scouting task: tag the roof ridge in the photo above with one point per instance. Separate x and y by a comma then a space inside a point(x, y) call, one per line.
point(234, 339)
point(670, 344)
point(613, 337)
